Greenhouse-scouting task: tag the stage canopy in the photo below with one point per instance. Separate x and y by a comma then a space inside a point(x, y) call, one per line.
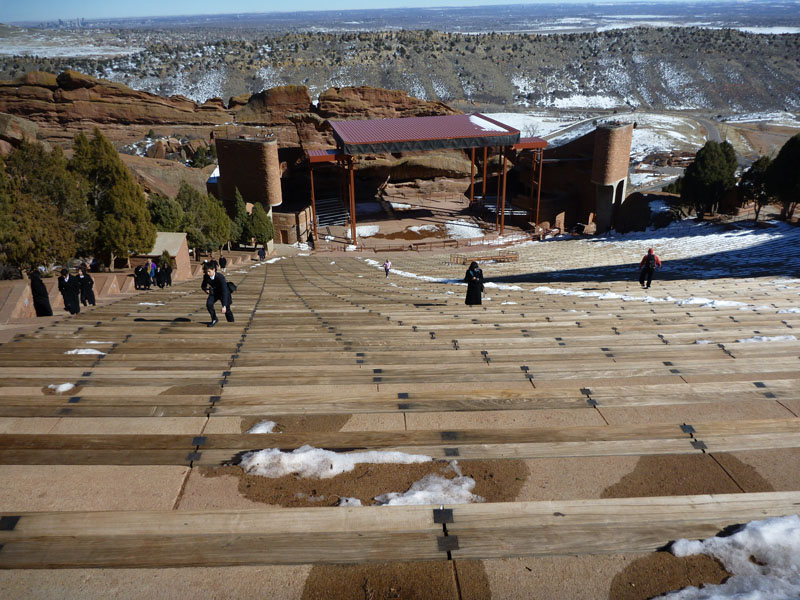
point(380, 136)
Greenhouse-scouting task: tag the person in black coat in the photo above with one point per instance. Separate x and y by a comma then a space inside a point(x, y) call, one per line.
point(69, 286)
point(168, 274)
point(474, 280)
point(215, 285)
point(86, 284)
point(142, 277)
point(41, 299)
point(223, 262)
point(161, 277)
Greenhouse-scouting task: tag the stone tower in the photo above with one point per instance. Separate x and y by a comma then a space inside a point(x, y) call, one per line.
point(612, 155)
point(251, 165)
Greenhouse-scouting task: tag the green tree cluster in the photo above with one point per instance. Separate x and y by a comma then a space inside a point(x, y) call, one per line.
point(709, 177)
point(259, 226)
point(165, 213)
point(205, 221)
point(783, 176)
point(119, 203)
point(54, 209)
point(240, 217)
point(32, 232)
point(753, 184)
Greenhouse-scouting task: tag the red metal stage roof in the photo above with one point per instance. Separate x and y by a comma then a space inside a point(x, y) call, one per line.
point(422, 133)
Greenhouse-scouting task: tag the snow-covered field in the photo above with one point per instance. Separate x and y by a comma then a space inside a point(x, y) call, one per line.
point(463, 230)
point(772, 118)
point(533, 124)
point(688, 249)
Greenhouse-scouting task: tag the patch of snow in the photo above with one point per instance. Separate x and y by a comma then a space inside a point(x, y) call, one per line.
point(307, 461)
point(485, 125)
point(768, 338)
point(365, 231)
point(84, 351)
point(151, 304)
point(763, 558)
point(399, 205)
point(463, 229)
point(419, 228)
point(433, 489)
point(583, 101)
point(769, 30)
point(274, 260)
point(61, 388)
point(349, 502)
point(263, 427)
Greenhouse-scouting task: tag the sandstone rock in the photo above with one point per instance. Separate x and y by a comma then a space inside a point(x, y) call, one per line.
point(192, 146)
point(376, 103)
point(5, 148)
point(452, 164)
point(165, 176)
point(418, 190)
point(14, 130)
point(213, 104)
point(80, 98)
point(71, 80)
point(272, 106)
point(236, 102)
point(39, 79)
point(157, 150)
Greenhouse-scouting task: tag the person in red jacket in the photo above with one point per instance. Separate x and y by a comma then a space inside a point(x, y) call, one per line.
point(649, 263)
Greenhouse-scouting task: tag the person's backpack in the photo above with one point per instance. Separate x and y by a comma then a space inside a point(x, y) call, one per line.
point(650, 263)
point(231, 287)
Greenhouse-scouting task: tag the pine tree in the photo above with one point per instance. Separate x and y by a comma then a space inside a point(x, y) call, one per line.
point(259, 226)
point(124, 225)
point(31, 232)
point(205, 221)
point(708, 178)
point(45, 178)
point(239, 221)
point(753, 184)
point(783, 176)
point(165, 213)
point(219, 224)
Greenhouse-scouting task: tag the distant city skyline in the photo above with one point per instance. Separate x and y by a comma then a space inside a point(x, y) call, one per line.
point(17, 11)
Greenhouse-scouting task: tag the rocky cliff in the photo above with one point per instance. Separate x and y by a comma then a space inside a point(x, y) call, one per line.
point(71, 101)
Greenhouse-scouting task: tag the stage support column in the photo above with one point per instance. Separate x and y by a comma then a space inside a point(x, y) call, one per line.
point(313, 206)
point(351, 166)
point(540, 154)
point(472, 178)
point(503, 213)
point(485, 163)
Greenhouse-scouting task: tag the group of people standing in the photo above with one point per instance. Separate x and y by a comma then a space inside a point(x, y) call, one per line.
point(76, 289)
point(152, 274)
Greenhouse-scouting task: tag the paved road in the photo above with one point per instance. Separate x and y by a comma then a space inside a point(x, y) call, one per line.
point(712, 131)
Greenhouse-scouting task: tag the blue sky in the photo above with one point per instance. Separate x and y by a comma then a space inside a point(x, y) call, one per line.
point(49, 10)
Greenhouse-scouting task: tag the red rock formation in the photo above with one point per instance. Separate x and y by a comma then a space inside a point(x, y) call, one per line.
point(376, 103)
point(273, 106)
point(75, 97)
point(15, 130)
